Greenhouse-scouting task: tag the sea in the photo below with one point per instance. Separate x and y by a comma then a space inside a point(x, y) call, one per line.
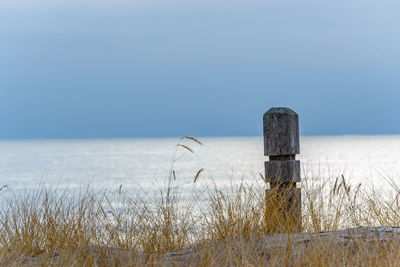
point(147, 163)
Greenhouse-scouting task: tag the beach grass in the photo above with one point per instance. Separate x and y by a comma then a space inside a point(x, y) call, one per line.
point(203, 226)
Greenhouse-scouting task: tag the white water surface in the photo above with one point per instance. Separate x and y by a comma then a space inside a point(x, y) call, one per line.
point(145, 163)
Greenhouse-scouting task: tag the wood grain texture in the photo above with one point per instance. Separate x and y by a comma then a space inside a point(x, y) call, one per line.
point(287, 171)
point(281, 132)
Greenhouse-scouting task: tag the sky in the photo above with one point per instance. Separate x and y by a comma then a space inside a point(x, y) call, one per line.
point(153, 68)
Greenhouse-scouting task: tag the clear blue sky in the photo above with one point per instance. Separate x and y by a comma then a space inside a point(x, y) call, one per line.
point(94, 68)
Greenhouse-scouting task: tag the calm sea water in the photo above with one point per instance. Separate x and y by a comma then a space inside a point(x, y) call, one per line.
point(146, 162)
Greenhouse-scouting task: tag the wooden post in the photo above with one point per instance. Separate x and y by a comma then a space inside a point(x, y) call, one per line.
point(282, 171)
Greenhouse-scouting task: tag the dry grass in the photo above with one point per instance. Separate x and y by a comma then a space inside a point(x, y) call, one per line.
point(50, 227)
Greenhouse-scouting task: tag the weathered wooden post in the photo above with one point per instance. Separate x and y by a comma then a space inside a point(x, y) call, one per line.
point(282, 171)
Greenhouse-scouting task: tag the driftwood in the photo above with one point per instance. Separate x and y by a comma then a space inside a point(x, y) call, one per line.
point(270, 247)
point(275, 246)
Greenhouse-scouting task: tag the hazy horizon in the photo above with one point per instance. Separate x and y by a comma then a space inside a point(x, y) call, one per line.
point(196, 136)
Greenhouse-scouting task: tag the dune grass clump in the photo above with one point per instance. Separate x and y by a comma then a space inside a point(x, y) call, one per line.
point(201, 226)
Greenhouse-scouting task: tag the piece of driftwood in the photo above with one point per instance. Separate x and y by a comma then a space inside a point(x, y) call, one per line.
point(276, 246)
point(270, 247)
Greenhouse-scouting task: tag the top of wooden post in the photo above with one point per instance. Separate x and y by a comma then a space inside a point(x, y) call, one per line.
point(281, 132)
